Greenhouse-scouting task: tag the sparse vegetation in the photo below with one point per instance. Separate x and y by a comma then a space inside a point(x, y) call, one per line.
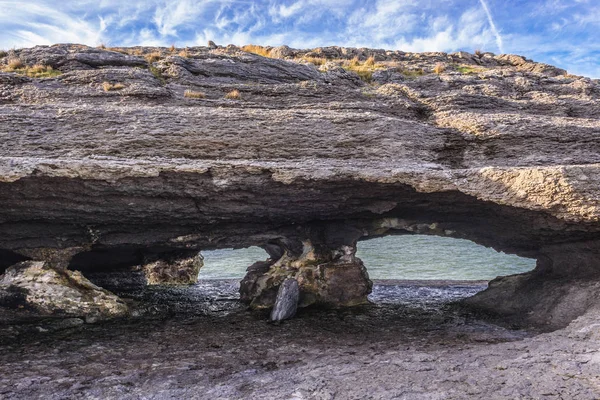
point(192, 94)
point(260, 50)
point(364, 70)
point(439, 68)
point(411, 73)
point(118, 50)
point(157, 74)
point(101, 46)
point(478, 53)
point(172, 48)
point(15, 63)
point(184, 53)
point(466, 69)
point(153, 57)
point(315, 60)
point(365, 75)
point(108, 87)
point(41, 71)
point(3, 54)
point(36, 71)
point(233, 95)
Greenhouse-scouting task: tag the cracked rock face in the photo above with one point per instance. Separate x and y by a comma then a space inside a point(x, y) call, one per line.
point(496, 149)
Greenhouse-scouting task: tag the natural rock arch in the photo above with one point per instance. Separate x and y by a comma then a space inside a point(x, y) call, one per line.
point(305, 165)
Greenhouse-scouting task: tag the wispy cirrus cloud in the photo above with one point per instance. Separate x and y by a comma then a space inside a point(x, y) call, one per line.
point(490, 19)
point(561, 32)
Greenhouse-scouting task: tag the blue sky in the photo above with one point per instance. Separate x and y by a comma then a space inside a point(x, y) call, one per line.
point(559, 32)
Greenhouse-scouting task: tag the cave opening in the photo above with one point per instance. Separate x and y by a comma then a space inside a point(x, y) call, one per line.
point(402, 269)
point(229, 263)
point(430, 257)
point(8, 258)
point(393, 257)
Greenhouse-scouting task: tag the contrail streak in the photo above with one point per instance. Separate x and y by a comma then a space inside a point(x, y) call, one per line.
point(492, 25)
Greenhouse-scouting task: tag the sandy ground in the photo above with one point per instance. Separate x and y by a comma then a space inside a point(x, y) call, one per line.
point(202, 344)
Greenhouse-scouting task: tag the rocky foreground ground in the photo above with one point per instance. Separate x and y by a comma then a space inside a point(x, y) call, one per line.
point(407, 346)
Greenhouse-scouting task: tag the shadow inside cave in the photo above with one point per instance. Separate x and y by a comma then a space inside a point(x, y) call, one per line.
point(418, 279)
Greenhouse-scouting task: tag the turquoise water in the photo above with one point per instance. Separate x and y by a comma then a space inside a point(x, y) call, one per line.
point(434, 257)
point(394, 257)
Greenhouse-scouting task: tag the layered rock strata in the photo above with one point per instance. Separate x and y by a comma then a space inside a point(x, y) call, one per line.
point(130, 152)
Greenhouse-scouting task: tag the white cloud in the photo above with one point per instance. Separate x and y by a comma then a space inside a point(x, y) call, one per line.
point(170, 15)
point(492, 25)
point(44, 24)
point(283, 11)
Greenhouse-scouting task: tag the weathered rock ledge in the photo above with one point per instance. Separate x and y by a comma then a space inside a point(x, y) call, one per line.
point(126, 157)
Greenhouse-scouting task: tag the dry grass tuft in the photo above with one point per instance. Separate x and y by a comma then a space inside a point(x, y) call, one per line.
point(184, 53)
point(412, 73)
point(467, 69)
point(153, 57)
point(41, 71)
point(233, 95)
point(101, 46)
point(315, 60)
point(370, 62)
point(479, 53)
point(118, 50)
point(157, 74)
point(363, 70)
point(108, 87)
point(439, 68)
point(191, 94)
point(172, 48)
point(36, 71)
point(365, 75)
point(260, 50)
point(15, 63)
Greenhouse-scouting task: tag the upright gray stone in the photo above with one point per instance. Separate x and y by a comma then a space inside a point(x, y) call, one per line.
point(287, 300)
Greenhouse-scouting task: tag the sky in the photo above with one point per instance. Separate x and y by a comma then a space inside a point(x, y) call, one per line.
point(558, 32)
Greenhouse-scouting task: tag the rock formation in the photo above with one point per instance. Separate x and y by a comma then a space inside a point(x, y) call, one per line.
point(33, 286)
point(125, 155)
point(321, 259)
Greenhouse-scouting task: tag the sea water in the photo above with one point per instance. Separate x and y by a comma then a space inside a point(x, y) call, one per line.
point(394, 257)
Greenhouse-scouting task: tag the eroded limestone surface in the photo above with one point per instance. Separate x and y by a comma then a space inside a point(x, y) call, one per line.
point(128, 154)
point(34, 287)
